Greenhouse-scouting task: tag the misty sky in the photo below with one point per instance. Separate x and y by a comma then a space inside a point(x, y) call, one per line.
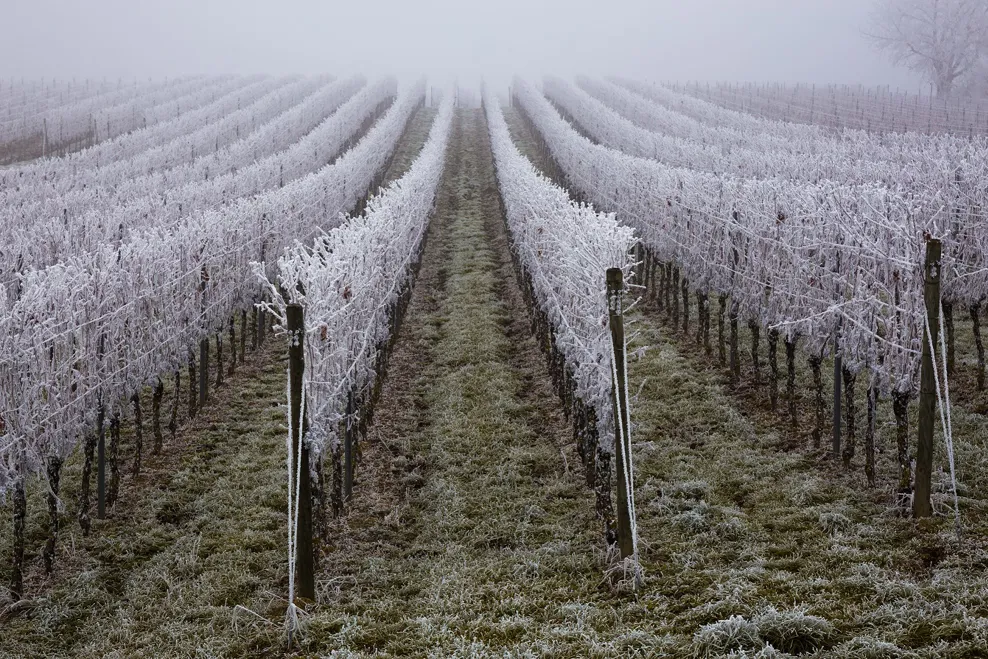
point(765, 40)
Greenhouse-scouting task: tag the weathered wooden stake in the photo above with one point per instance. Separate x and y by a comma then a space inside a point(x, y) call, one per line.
point(848, 452)
point(304, 561)
point(686, 307)
point(838, 371)
point(927, 382)
point(348, 434)
point(721, 350)
point(948, 328)
point(192, 384)
point(233, 347)
point(243, 335)
point(203, 371)
point(675, 298)
point(735, 355)
point(20, 517)
point(619, 395)
point(138, 432)
point(660, 292)
point(816, 367)
point(101, 463)
point(53, 467)
point(978, 343)
point(773, 369)
point(337, 496)
point(900, 408)
point(791, 382)
point(755, 329)
point(111, 494)
point(219, 359)
point(156, 396)
point(173, 421)
point(870, 432)
point(87, 472)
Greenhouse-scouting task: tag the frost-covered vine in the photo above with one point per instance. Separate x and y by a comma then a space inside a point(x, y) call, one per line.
point(101, 323)
point(811, 259)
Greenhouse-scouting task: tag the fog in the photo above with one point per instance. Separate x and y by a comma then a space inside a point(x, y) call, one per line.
point(761, 40)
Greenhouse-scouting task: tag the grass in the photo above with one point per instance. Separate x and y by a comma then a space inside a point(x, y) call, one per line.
point(744, 521)
point(497, 542)
point(188, 542)
point(471, 535)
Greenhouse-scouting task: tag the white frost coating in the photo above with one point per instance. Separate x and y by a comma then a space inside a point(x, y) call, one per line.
point(566, 249)
point(106, 115)
point(142, 298)
point(32, 98)
point(840, 108)
point(298, 142)
point(631, 123)
point(809, 259)
point(52, 176)
point(282, 118)
point(351, 277)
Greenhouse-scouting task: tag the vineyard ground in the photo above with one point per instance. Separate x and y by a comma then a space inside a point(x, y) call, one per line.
point(187, 541)
point(472, 533)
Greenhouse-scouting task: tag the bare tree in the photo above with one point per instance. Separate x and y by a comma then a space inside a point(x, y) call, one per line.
point(940, 39)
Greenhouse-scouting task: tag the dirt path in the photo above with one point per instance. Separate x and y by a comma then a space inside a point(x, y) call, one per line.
point(470, 532)
point(467, 534)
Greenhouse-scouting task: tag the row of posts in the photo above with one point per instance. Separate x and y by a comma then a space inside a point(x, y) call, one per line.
point(304, 547)
point(922, 487)
point(615, 289)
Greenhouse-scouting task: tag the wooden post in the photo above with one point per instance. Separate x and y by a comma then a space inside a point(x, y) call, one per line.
point(243, 335)
point(101, 464)
point(619, 396)
point(114, 484)
point(773, 369)
point(156, 398)
point(53, 467)
point(870, 432)
point(233, 346)
point(735, 361)
point(848, 451)
point(20, 519)
point(975, 312)
point(203, 370)
point(219, 359)
point(948, 328)
point(138, 432)
point(721, 351)
point(927, 381)
point(304, 562)
point(173, 421)
point(838, 370)
point(348, 432)
point(87, 471)
point(192, 384)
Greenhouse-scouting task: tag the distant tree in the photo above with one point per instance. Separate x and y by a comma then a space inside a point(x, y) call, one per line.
point(941, 39)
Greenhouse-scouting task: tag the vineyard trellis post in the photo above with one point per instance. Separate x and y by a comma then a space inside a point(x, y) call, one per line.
point(101, 463)
point(622, 434)
point(304, 563)
point(838, 371)
point(203, 371)
point(927, 381)
point(348, 433)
